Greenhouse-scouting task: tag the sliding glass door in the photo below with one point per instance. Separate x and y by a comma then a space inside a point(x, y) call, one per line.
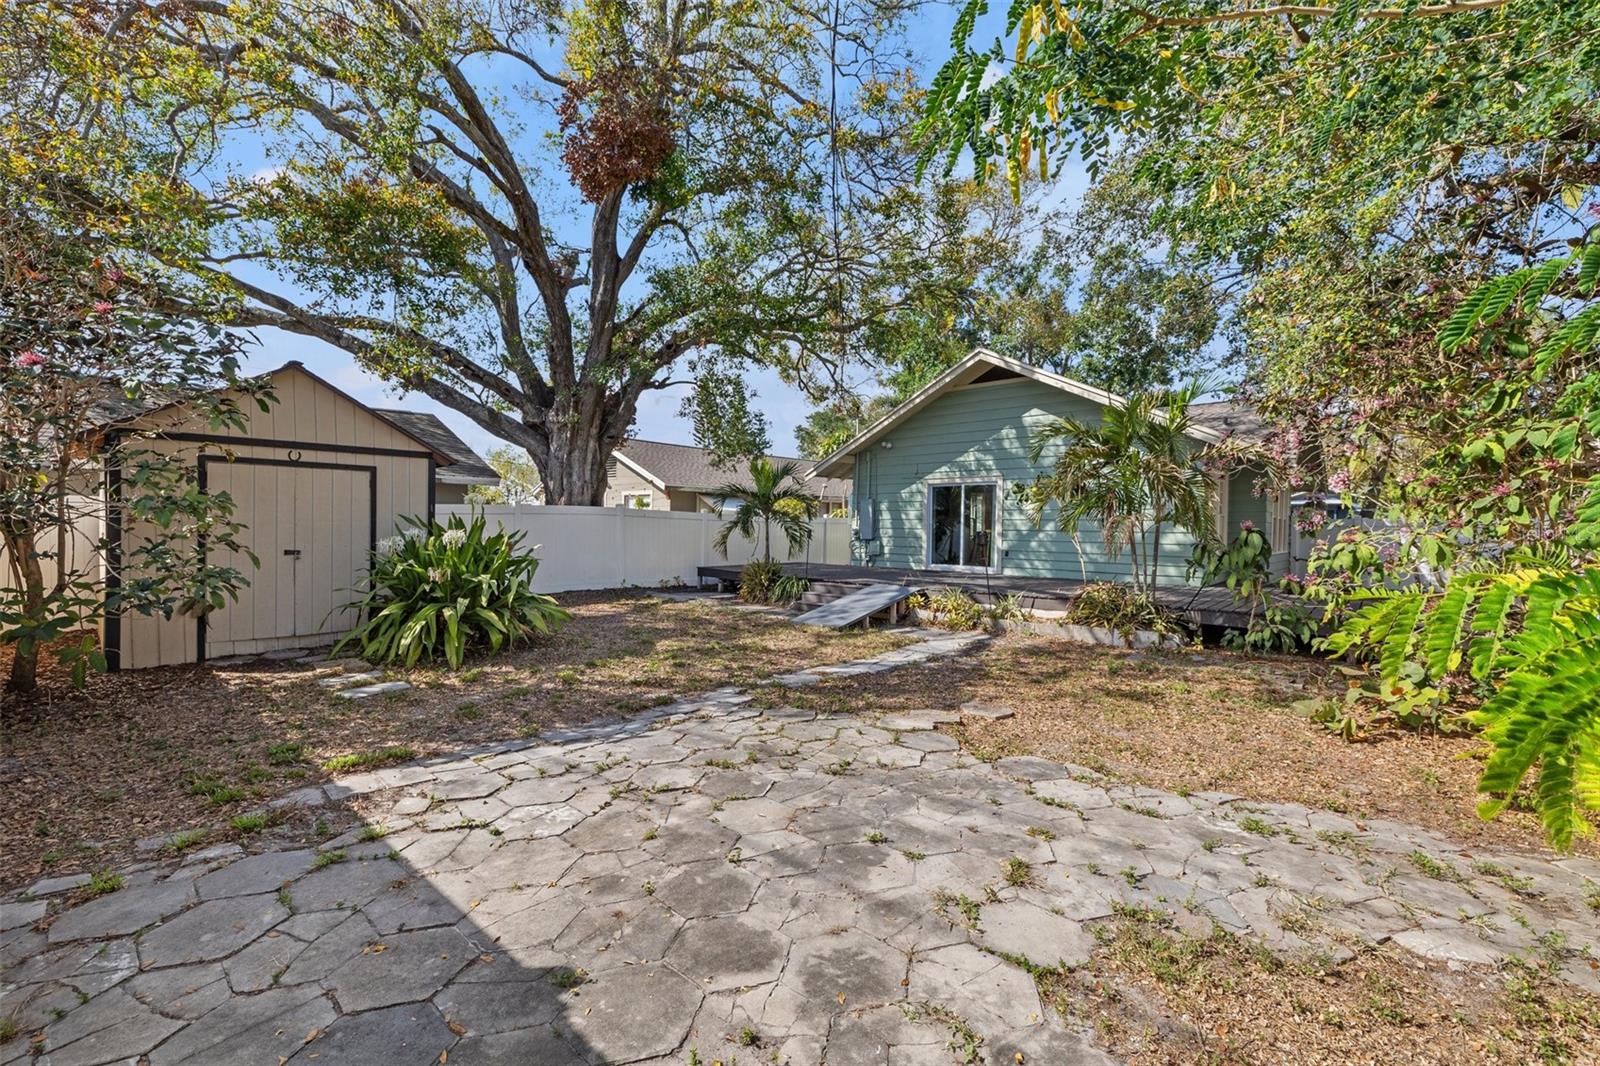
point(961, 525)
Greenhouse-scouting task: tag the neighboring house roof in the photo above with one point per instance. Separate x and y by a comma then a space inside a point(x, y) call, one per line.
point(114, 408)
point(981, 365)
point(1231, 419)
point(686, 468)
point(466, 467)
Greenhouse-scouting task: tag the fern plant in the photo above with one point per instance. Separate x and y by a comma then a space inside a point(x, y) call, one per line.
point(1534, 634)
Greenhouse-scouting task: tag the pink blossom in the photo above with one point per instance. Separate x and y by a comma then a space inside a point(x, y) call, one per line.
point(114, 275)
point(102, 307)
point(1502, 489)
point(30, 358)
point(1247, 525)
point(1340, 481)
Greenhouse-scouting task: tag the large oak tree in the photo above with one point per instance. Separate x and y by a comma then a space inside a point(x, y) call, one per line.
point(535, 212)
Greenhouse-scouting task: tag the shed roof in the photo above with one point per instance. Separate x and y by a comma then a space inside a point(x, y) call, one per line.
point(467, 467)
point(687, 468)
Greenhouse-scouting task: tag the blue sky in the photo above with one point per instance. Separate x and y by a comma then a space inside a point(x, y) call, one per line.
point(658, 417)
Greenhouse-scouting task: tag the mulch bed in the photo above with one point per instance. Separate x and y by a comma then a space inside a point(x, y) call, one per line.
point(87, 773)
point(1193, 722)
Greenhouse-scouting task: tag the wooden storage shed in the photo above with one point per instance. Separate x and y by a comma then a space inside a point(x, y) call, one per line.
point(319, 478)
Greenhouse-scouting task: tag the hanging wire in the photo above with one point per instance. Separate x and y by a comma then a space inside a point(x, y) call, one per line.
point(833, 185)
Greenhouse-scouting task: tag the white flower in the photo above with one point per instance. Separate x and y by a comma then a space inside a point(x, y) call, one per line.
point(436, 575)
point(454, 538)
point(390, 544)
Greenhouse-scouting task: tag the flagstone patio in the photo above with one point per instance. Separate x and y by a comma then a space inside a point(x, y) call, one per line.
point(711, 881)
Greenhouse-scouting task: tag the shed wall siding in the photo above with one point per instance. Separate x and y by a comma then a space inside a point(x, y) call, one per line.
point(981, 433)
point(327, 428)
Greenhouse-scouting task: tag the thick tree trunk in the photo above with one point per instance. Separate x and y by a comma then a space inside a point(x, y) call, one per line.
point(25, 665)
point(582, 433)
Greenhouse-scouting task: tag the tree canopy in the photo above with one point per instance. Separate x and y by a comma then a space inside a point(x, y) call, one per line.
point(529, 212)
point(1346, 177)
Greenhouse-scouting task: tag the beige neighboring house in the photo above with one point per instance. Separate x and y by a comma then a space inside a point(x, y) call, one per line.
point(657, 476)
point(467, 468)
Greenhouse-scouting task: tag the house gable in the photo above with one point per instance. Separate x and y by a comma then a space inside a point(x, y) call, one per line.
point(981, 368)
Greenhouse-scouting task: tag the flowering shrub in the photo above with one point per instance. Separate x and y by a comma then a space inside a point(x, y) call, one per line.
point(448, 590)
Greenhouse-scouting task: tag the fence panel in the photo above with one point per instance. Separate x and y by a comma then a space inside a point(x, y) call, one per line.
point(615, 547)
point(81, 557)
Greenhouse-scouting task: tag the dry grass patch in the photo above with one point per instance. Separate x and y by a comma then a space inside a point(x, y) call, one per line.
point(1159, 997)
point(151, 752)
point(1189, 722)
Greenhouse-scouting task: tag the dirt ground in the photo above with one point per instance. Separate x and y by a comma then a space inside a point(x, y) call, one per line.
point(1159, 997)
point(153, 752)
point(1196, 721)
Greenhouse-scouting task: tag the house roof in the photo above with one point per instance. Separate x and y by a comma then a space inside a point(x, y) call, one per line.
point(114, 408)
point(981, 364)
point(686, 468)
point(1230, 418)
point(466, 467)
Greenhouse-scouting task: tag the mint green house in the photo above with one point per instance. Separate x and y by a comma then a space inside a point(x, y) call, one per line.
point(932, 480)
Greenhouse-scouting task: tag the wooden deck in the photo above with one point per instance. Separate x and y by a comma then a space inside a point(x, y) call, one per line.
point(1208, 606)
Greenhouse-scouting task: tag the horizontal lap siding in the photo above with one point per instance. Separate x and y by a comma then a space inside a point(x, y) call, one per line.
point(982, 433)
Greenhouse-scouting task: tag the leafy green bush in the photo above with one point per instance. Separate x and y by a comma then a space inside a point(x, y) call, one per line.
point(1008, 608)
point(789, 588)
point(1113, 605)
point(447, 590)
point(949, 608)
point(1532, 633)
point(758, 580)
point(1244, 566)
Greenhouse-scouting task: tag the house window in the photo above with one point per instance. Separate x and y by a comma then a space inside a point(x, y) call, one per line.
point(961, 524)
point(641, 500)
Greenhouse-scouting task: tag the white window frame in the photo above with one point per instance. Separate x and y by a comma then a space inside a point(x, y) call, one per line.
point(629, 498)
point(995, 549)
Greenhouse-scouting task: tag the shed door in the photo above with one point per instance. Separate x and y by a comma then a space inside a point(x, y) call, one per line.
point(311, 527)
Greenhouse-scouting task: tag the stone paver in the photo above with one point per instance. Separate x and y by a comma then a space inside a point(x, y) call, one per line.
point(617, 893)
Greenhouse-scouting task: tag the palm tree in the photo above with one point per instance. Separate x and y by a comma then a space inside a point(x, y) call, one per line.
point(770, 497)
point(1131, 473)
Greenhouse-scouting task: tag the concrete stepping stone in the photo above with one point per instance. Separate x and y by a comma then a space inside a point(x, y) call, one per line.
point(122, 912)
point(211, 931)
point(987, 711)
point(1025, 931)
point(904, 723)
point(51, 885)
point(346, 680)
point(364, 691)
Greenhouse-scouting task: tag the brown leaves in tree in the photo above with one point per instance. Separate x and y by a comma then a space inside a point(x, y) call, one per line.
point(617, 133)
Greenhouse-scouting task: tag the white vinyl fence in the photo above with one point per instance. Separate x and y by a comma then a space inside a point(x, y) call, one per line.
point(79, 550)
point(615, 547)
